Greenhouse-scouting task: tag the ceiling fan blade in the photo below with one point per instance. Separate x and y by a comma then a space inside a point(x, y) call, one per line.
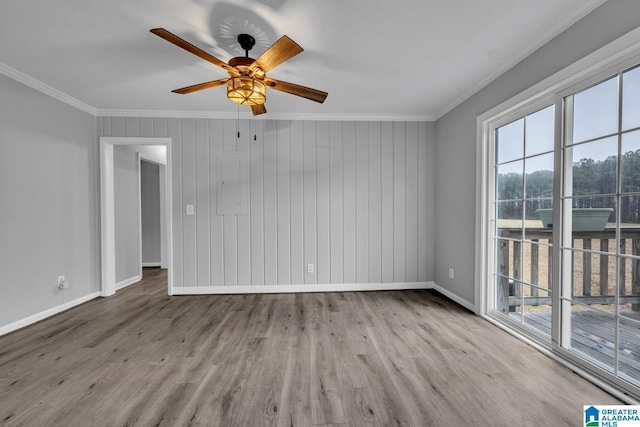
point(282, 50)
point(200, 86)
point(293, 89)
point(172, 38)
point(258, 109)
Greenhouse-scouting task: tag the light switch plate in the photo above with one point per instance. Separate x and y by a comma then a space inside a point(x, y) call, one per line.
point(190, 210)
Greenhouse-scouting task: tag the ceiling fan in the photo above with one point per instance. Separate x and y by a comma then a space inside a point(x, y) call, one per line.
point(247, 82)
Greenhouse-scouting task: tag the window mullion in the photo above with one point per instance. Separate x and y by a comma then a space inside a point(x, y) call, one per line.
point(557, 203)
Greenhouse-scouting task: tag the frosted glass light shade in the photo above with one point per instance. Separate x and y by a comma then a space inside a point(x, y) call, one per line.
point(246, 91)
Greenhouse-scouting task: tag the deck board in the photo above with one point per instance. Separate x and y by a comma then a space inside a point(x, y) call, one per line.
point(592, 337)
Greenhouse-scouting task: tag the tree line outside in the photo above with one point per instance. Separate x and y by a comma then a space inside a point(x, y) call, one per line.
point(591, 179)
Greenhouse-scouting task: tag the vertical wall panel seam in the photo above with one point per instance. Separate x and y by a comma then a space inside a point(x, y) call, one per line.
point(417, 201)
point(210, 240)
point(368, 203)
point(275, 160)
point(393, 200)
point(406, 199)
point(235, 148)
point(342, 194)
point(304, 234)
point(316, 204)
point(249, 197)
point(330, 205)
point(290, 200)
point(329, 184)
point(195, 197)
point(406, 210)
point(264, 243)
point(209, 194)
point(224, 253)
point(418, 192)
point(355, 203)
point(181, 201)
point(355, 200)
point(381, 203)
point(418, 186)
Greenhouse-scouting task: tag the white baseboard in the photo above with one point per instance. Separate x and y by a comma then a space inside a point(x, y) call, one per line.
point(47, 313)
point(463, 302)
point(127, 282)
point(151, 264)
point(272, 289)
point(275, 289)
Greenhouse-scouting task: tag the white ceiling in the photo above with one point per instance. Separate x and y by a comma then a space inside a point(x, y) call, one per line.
point(376, 58)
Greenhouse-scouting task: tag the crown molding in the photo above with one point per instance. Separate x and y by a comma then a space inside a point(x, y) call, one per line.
point(578, 14)
point(45, 88)
point(185, 114)
point(36, 84)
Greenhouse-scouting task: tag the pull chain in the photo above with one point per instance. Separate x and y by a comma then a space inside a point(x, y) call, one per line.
point(238, 122)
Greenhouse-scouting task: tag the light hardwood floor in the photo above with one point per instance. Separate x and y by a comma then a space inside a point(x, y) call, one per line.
point(401, 358)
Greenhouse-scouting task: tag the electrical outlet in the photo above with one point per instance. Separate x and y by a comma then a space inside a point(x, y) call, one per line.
point(451, 273)
point(310, 268)
point(62, 283)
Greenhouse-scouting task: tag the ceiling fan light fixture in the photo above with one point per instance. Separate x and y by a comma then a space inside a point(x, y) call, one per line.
point(247, 82)
point(246, 90)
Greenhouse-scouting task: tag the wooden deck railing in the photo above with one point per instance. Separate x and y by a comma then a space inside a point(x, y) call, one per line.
point(510, 268)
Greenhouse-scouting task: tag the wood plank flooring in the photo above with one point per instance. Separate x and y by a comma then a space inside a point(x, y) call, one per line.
point(401, 358)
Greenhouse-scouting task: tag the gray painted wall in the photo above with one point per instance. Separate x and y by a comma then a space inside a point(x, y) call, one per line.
point(150, 212)
point(126, 205)
point(456, 136)
point(49, 187)
point(353, 198)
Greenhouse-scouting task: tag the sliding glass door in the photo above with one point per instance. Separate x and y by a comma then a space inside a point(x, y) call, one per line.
point(601, 242)
point(566, 193)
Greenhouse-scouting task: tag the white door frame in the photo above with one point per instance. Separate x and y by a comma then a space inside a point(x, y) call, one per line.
point(107, 209)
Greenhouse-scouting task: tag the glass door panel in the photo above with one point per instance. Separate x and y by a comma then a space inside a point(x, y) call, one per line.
point(524, 186)
point(593, 335)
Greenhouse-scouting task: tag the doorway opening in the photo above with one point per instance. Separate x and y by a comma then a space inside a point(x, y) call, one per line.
point(109, 216)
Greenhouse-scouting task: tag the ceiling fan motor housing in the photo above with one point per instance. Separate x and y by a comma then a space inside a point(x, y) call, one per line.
point(246, 42)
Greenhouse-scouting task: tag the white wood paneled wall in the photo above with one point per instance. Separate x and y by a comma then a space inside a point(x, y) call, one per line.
point(352, 198)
